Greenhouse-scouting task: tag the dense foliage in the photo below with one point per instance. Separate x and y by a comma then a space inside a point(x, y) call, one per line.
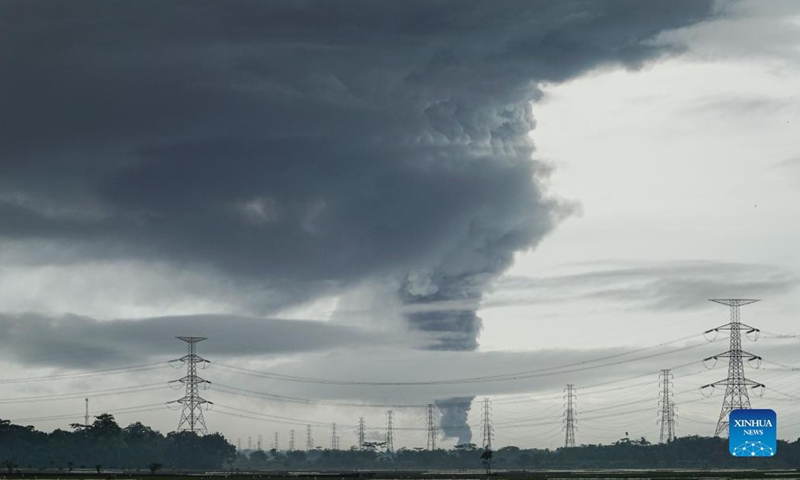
point(105, 445)
point(687, 452)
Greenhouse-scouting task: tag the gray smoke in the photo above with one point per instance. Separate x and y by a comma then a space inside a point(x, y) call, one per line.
point(453, 421)
point(302, 147)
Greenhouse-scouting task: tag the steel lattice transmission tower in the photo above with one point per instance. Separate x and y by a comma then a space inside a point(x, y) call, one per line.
point(309, 439)
point(277, 445)
point(431, 427)
point(736, 385)
point(291, 440)
point(192, 411)
point(334, 438)
point(488, 432)
point(569, 416)
point(667, 407)
point(361, 433)
point(389, 431)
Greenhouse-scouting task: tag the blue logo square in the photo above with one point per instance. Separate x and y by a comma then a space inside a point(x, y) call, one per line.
point(752, 433)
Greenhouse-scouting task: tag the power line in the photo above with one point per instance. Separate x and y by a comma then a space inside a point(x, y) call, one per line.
point(119, 411)
point(519, 399)
point(93, 373)
point(489, 378)
point(95, 393)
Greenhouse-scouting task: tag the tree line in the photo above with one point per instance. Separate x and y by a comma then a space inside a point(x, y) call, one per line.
point(104, 445)
point(687, 452)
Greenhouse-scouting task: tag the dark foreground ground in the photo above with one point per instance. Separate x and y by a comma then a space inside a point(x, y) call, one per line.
point(422, 475)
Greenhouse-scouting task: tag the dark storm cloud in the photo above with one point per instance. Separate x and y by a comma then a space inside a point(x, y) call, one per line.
point(302, 146)
point(82, 342)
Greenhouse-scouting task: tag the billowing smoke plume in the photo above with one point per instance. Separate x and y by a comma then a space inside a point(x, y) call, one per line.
point(453, 421)
point(302, 147)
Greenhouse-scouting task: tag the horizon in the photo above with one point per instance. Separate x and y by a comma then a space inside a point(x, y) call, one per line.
point(369, 207)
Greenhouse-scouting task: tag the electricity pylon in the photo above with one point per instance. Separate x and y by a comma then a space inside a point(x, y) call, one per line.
point(334, 438)
point(667, 406)
point(362, 436)
point(291, 440)
point(569, 416)
point(431, 427)
point(309, 439)
point(488, 432)
point(192, 411)
point(736, 384)
point(390, 431)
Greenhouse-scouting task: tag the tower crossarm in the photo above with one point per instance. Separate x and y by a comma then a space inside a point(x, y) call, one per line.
point(728, 381)
point(734, 326)
point(198, 400)
point(734, 354)
point(193, 357)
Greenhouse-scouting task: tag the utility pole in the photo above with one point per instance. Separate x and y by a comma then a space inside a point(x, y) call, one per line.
point(334, 438)
point(86, 415)
point(361, 433)
point(309, 439)
point(488, 432)
point(569, 416)
point(291, 440)
point(192, 412)
point(667, 410)
point(431, 427)
point(389, 431)
point(736, 384)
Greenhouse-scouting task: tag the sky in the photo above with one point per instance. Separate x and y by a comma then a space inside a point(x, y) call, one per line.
point(515, 197)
